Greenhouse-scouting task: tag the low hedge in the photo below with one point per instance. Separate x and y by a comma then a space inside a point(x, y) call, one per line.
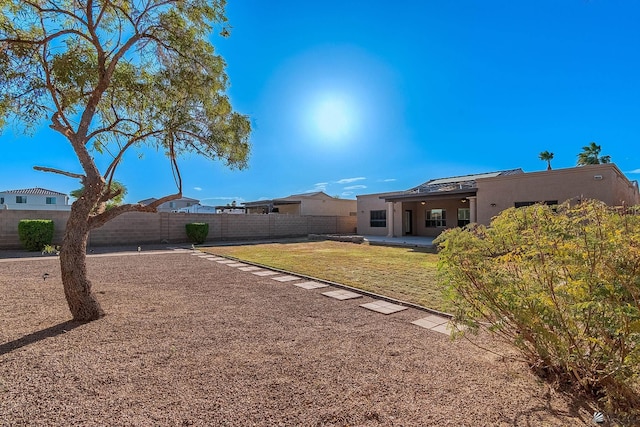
point(197, 232)
point(35, 234)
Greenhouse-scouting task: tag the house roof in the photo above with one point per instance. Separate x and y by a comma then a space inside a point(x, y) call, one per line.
point(289, 200)
point(36, 191)
point(465, 185)
point(462, 182)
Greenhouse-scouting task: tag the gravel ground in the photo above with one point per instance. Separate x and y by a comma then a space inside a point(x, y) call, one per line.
point(187, 341)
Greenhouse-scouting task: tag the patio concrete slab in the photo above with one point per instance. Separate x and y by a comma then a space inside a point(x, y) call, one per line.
point(265, 273)
point(311, 285)
point(342, 294)
point(286, 278)
point(384, 307)
point(250, 268)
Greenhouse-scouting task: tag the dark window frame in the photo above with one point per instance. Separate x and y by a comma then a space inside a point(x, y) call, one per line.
point(378, 218)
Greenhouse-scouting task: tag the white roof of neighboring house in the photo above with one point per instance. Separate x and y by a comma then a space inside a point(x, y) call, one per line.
point(37, 191)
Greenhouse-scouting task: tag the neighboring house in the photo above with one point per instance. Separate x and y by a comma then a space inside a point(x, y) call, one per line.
point(198, 208)
point(172, 206)
point(428, 209)
point(318, 203)
point(34, 199)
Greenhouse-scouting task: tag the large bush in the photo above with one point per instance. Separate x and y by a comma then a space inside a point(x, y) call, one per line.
point(197, 232)
point(562, 286)
point(35, 234)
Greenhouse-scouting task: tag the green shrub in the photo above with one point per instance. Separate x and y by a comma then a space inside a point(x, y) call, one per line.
point(562, 286)
point(197, 232)
point(35, 234)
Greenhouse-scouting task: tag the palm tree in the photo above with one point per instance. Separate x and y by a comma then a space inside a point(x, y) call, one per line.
point(547, 157)
point(591, 155)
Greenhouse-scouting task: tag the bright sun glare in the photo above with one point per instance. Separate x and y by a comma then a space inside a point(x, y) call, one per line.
point(333, 118)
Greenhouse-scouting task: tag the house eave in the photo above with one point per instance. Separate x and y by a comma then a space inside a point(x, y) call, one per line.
point(418, 197)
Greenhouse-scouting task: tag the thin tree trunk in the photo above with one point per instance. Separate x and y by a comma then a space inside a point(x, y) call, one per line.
point(73, 256)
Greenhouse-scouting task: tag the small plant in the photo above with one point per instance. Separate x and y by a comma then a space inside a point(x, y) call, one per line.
point(197, 232)
point(35, 234)
point(51, 250)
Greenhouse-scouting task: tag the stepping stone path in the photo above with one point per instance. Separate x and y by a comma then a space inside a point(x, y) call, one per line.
point(342, 294)
point(265, 273)
point(285, 278)
point(384, 307)
point(311, 285)
point(433, 322)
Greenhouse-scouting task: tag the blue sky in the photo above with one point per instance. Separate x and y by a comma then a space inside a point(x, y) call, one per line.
point(354, 97)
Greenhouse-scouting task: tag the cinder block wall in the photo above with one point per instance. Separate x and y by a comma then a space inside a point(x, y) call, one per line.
point(135, 228)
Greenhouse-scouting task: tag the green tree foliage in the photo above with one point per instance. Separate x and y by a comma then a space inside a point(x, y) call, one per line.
point(562, 286)
point(111, 76)
point(118, 190)
point(547, 157)
point(590, 155)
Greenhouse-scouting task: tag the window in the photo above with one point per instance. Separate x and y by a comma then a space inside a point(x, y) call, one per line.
point(172, 205)
point(378, 218)
point(546, 202)
point(21, 199)
point(1, 200)
point(436, 218)
point(51, 201)
point(464, 216)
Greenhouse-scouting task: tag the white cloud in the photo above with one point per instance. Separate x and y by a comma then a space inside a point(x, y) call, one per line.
point(634, 171)
point(320, 186)
point(346, 194)
point(388, 180)
point(349, 180)
point(355, 187)
point(197, 188)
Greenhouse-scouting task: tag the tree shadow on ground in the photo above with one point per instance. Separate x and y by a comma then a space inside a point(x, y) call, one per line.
point(50, 332)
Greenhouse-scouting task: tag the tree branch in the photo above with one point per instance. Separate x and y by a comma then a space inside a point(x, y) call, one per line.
point(60, 172)
point(102, 218)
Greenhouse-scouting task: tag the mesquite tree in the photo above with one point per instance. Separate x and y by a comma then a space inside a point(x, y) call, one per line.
point(112, 76)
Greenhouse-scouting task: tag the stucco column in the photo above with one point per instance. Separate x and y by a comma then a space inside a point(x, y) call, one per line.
point(473, 217)
point(390, 219)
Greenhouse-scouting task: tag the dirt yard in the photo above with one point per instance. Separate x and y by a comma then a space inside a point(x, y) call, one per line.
point(187, 341)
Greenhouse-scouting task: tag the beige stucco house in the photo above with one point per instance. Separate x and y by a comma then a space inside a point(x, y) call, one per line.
point(318, 203)
point(429, 208)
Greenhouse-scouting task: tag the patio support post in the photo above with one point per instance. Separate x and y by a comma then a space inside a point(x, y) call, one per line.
point(390, 221)
point(473, 217)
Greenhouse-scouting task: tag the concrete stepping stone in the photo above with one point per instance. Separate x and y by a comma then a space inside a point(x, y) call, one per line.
point(435, 323)
point(237, 264)
point(214, 258)
point(286, 278)
point(265, 273)
point(226, 261)
point(384, 307)
point(311, 285)
point(251, 268)
point(342, 294)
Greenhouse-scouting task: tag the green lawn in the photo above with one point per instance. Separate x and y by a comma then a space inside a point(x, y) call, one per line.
point(407, 274)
